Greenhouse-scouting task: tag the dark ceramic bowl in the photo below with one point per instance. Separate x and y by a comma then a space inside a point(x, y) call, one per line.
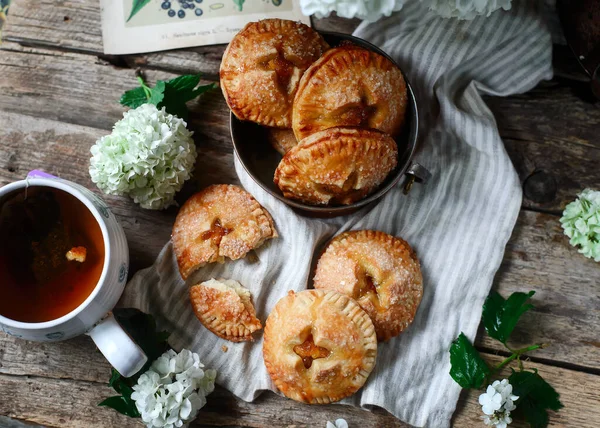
point(260, 159)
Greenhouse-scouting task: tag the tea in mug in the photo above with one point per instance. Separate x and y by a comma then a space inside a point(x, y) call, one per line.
point(51, 254)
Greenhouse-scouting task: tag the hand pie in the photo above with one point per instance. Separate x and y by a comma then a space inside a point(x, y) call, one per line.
point(319, 347)
point(262, 66)
point(220, 221)
point(350, 86)
point(225, 307)
point(337, 165)
point(282, 140)
point(379, 271)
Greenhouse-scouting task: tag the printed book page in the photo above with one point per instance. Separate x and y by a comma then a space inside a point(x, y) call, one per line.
point(135, 26)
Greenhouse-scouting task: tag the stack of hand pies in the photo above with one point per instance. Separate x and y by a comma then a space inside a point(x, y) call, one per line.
point(333, 113)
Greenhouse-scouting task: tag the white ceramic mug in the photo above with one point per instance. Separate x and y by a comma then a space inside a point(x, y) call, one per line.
point(93, 316)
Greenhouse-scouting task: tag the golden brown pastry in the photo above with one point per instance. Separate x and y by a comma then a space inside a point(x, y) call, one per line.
point(379, 271)
point(262, 66)
point(319, 347)
point(281, 139)
point(225, 307)
point(220, 221)
point(350, 86)
point(337, 165)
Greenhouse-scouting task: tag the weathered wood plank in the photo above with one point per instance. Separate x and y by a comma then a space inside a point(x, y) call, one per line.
point(547, 149)
point(538, 255)
point(35, 398)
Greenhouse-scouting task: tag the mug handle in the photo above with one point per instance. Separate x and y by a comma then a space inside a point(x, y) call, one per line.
point(117, 346)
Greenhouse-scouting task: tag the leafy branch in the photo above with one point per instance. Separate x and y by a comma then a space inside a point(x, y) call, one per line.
point(469, 370)
point(172, 94)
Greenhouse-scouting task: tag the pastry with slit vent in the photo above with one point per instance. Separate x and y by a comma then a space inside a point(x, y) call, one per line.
point(225, 307)
point(221, 221)
point(350, 86)
point(281, 139)
point(337, 166)
point(319, 346)
point(379, 271)
point(262, 66)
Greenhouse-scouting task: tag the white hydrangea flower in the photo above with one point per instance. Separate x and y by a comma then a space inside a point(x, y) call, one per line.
point(497, 403)
point(581, 222)
point(148, 156)
point(369, 10)
point(173, 390)
point(339, 423)
point(466, 9)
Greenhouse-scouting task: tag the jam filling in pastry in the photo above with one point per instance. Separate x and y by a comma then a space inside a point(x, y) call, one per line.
point(336, 165)
point(221, 221)
point(225, 307)
point(350, 86)
point(282, 140)
point(379, 271)
point(262, 66)
point(319, 346)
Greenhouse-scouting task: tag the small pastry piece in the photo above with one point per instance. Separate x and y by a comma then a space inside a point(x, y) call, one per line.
point(319, 347)
point(261, 69)
point(220, 221)
point(77, 254)
point(225, 307)
point(282, 140)
point(337, 165)
point(379, 271)
point(350, 86)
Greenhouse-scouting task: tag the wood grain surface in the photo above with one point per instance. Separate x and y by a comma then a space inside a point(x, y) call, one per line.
point(59, 93)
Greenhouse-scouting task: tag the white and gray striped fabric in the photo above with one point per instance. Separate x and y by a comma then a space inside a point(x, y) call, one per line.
point(458, 223)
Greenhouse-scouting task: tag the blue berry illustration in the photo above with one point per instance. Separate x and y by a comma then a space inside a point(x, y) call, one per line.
point(181, 13)
point(166, 5)
point(198, 12)
point(172, 13)
point(198, 1)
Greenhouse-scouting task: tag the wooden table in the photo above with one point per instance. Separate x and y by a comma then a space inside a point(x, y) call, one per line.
point(59, 93)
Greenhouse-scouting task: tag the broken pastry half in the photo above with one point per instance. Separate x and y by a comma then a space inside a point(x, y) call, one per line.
point(338, 165)
point(225, 307)
point(350, 86)
point(262, 66)
point(319, 346)
point(221, 221)
point(381, 272)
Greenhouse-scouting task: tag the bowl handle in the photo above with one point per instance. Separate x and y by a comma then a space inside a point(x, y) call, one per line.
point(117, 346)
point(416, 172)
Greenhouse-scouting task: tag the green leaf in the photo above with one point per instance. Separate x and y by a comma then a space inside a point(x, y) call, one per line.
point(136, 6)
point(134, 98)
point(467, 367)
point(535, 397)
point(114, 380)
point(179, 91)
point(122, 405)
point(239, 4)
point(501, 316)
point(157, 94)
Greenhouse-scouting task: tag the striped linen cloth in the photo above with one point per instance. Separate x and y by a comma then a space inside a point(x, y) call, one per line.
point(458, 223)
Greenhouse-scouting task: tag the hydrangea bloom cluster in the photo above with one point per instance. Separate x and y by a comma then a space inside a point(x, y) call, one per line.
point(172, 391)
point(497, 403)
point(581, 223)
point(466, 9)
point(364, 9)
point(148, 156)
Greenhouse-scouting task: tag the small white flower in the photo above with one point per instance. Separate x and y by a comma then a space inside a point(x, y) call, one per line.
point(173, 390)
point(497, 403)
point(339, 423)
point(466, 9)
point(148, 156)
point(368, 10)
